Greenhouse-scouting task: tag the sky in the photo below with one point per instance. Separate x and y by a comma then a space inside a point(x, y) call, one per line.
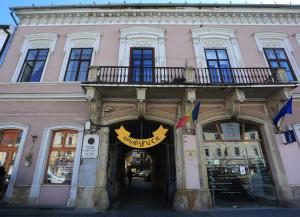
point(5, 17)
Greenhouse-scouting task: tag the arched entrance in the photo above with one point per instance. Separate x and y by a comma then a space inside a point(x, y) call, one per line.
point(153, 169)
point(237, 165)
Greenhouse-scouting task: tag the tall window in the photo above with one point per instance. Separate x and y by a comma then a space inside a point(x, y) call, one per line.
point(61, 157)
point(78, 65)
point(33, 65)
point(142, 63)
point(277, 58)
point(9, 143)
point(219, 65)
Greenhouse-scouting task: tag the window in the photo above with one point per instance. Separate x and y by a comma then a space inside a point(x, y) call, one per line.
point(255, 151)
point(142, 63)
point(219, 152)
point(225, 152)
point(237, 151)
point(33, 65)
point(78, 65)
point(9, 143)
point(207, 152)
point(218, 62)
point(61, 157)
point(277, 58)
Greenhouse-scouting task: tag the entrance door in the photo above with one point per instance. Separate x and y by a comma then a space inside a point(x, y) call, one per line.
point(153, 169)
point(9, 143)
point(141, 65)
point(237, 169)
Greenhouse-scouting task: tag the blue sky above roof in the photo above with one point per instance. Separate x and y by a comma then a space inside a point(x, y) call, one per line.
point(5, 4)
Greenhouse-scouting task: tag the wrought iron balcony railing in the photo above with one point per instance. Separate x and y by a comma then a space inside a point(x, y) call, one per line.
point(187, 76)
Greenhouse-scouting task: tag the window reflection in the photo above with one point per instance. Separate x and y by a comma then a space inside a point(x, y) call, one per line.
point(61, 157)
point(236, 166)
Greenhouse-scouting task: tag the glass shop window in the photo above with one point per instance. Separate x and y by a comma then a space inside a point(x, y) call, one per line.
point(60, 164)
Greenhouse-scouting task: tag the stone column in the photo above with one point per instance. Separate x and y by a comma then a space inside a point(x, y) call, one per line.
point(205, 200)
point(101, 194)
point(189, 194)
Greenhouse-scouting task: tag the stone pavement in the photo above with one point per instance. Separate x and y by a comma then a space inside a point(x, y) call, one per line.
point(257, 212)
point(140, 199)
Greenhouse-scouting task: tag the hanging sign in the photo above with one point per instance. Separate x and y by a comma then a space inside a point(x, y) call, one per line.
point(158, 136)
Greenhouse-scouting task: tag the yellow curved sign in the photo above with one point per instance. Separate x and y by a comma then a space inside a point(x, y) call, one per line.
point(158, 136)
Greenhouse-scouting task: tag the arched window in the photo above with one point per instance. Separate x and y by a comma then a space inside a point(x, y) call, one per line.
point(9, 143)
point(60, 164)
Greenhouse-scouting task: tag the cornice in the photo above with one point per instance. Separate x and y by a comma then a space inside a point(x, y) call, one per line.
point(182, 16)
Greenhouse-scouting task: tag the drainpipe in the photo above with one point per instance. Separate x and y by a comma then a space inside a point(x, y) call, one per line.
point(12, 14)
point(9, 36)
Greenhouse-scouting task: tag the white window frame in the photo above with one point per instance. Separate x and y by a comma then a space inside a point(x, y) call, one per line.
point(41, 164)
point(35, 41)
point(276, 40)
point(216, 38)
point(142, 37)
point(79, 40)
point(12, 181)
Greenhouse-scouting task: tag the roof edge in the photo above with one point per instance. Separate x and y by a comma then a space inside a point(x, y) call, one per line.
point(161, 5)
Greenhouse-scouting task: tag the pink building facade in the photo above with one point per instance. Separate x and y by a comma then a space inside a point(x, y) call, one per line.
point(74, 71)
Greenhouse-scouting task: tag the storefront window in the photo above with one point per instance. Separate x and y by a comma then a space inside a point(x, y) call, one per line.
point(61, 157)
point(241, 175)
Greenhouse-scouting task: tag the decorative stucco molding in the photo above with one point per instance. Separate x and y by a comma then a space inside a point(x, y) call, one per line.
point(177, 16)
point(217, 38)
point(35, 41)
point(276, 40)
point(79, 40)
point(142, 37)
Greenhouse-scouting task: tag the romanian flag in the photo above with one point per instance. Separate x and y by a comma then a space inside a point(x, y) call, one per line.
point(192, 115)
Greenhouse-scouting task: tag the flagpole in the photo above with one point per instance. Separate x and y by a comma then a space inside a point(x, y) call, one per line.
point(281, 121)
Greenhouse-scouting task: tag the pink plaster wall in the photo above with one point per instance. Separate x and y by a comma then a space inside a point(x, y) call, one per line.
point(290, 158)
point(54, 195)
point(38, 116)
point(179, 46)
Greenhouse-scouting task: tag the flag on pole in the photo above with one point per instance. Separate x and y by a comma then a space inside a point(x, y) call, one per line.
point(286, 109)
point(192, 115)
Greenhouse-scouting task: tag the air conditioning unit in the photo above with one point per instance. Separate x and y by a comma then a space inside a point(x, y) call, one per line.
point(90, 146)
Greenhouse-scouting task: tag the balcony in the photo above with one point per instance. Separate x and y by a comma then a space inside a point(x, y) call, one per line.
point(207, 79)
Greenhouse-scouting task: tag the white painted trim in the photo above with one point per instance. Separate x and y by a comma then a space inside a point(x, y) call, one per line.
point(141, 37)
point(216, 38)
point(43, 97)
point(16, 166)
point(277, 40)
point(42, 161)
point(79, 40)
point(35, 41)
point(297, 36)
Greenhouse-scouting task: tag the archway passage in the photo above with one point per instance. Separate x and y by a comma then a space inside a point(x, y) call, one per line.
point(237, 166)
point(153, 169)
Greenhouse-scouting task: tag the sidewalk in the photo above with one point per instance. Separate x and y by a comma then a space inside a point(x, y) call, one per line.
point(258, 212)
